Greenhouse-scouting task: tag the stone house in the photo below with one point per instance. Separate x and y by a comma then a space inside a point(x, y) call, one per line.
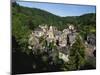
point(38, 32)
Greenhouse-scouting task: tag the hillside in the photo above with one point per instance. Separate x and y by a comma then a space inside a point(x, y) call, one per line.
point(25, 20)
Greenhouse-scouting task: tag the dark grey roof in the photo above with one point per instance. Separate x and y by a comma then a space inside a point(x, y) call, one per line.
point(57, 33)
point(64, 50)
point(38, 29)
point(91, 39)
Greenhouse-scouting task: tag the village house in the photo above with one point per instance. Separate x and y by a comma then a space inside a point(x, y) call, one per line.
point(38, 32)
point(61, 39)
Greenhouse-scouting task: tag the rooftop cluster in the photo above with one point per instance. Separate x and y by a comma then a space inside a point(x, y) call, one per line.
point(60, 41)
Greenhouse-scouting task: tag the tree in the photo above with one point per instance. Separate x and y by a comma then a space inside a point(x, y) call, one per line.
point(77, 55)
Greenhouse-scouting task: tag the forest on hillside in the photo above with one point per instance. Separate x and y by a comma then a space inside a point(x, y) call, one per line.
point(25, 20)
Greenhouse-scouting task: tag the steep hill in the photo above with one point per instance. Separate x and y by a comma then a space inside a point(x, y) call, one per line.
point(25, 19)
